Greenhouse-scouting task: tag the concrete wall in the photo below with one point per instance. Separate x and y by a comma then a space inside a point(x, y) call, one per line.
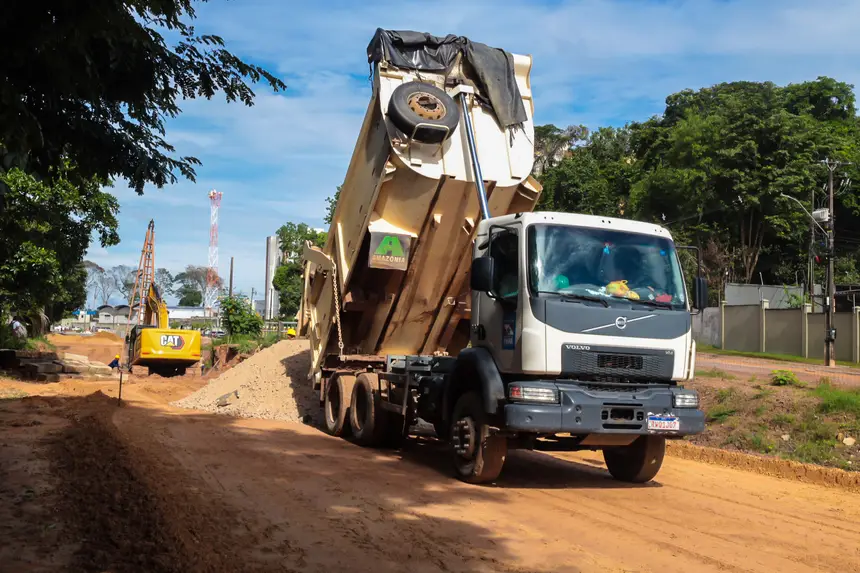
point(783, 330)
point(706, 327)
point(776, 295)
point(742, 327)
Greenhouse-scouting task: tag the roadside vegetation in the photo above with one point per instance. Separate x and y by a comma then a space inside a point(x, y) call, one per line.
point(819, 424)
point(244, 330)
point(35, 343)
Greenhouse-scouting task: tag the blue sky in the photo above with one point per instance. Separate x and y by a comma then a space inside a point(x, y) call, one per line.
point(595, 63)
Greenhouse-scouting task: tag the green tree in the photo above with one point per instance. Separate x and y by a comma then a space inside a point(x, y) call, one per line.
point(553, 144)
point(47, 227)
point(194, 279)
point(288, 276)
point(93, 82)
point(292, 237)
point(331, 204)
point(239, 318)
point(189, 296)
point(719, 160)
point(594, 177)
point(288, 282)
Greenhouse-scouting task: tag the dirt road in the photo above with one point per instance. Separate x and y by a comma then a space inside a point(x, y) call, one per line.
point(215, 493)
point(743, 367)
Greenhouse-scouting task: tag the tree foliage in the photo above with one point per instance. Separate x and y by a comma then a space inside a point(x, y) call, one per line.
point(292, 237)
point(194, 279)
point(288, 276)
point(331, 205)
point(715, 168)
point(239, 318)
point(46, 229)
point(93, 82)
point(189, 296)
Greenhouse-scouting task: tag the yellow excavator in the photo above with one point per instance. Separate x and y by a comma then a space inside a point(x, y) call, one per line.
point(151, 343)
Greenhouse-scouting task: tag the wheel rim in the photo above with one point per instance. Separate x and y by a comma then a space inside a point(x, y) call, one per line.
point(426, 106)
point(463, 438)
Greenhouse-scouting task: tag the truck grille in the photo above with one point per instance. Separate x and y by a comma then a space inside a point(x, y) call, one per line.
point(619, 361)
point(615, 364)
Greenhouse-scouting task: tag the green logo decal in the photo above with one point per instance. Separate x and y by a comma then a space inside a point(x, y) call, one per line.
point(389, 251)
point(389, 246)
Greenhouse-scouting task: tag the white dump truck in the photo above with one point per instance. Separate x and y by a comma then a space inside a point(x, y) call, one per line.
point(440, 296)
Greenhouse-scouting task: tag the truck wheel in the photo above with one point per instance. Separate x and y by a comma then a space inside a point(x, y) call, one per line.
point(418, 103)
point(441, 429)
point(478, 455)
point(637, 463)
point(336, 404)
point(367, 418)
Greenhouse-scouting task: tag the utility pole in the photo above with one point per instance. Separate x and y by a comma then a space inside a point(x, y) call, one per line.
point(231, 277)
point(829, 330)
point(811, 267)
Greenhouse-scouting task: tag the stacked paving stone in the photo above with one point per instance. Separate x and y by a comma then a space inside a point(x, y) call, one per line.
point(49, 367)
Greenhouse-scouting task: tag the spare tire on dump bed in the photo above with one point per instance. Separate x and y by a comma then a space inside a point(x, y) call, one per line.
point(425, 110)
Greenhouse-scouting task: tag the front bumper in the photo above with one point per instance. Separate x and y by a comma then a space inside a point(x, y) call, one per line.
point(583, 410)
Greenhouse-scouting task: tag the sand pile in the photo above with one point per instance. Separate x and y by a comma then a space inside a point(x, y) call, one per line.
point(109, 336)
point(272, 385)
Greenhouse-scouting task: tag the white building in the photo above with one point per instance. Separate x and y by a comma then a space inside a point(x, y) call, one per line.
point(271, 308)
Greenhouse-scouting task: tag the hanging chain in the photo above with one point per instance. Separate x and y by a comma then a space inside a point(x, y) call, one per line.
point(335, 288)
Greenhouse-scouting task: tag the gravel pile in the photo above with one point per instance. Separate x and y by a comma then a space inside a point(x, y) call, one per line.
point(272, 385)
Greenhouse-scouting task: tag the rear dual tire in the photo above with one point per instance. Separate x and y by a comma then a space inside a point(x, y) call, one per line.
point(336, 403)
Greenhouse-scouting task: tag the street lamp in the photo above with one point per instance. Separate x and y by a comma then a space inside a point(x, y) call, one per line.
point(825, 215)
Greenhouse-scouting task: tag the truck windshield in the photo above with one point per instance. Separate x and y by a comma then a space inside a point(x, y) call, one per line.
point(617, 266)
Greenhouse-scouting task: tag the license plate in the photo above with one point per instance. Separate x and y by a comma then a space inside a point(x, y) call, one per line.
point(664, 423)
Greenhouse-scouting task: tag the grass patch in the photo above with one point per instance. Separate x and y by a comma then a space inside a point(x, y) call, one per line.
point(769, 356)
point(12, 394)
point(838, 400)
point(761, 443)
point(246, 343)
point(725, 394)
point(720, 413)
point(715, 373)
point(762, 393)
point(786, 378)
point(783, 419)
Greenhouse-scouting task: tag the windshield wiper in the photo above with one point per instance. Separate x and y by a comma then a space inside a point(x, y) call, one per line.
point(654, 303)
point(573, 296)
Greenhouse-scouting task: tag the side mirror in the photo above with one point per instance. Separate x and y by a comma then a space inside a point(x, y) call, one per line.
point(700, 293)
point(483, 274)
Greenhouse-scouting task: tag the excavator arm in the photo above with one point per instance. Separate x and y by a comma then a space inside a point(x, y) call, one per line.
point(155, 309)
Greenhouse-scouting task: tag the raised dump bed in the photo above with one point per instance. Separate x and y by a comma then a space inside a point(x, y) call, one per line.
point(399, 246)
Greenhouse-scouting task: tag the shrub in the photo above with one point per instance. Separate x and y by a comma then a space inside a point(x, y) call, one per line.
point(239, 318)
point(785, 378)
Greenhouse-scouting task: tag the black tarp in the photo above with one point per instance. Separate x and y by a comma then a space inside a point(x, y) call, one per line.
point(419, 51)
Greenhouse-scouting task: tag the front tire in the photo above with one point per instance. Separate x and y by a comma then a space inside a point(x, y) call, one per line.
point(637, 463)
point(478, 455)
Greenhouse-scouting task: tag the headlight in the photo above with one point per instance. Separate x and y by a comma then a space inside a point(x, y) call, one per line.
point(533, 394)
point(688, 399)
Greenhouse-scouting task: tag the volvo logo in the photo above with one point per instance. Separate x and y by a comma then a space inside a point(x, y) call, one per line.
point(620, 323)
